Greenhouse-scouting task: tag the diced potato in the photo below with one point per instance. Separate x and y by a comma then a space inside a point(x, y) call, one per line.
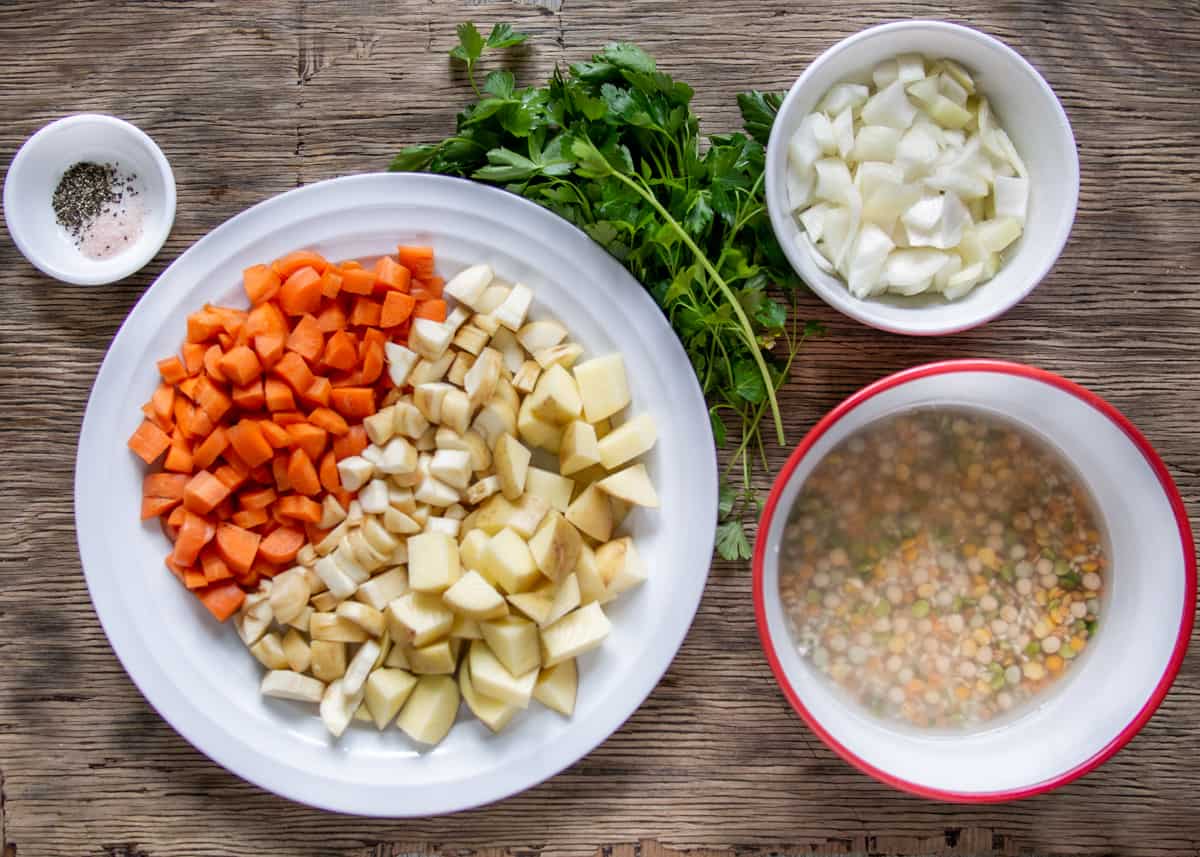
point(300, 623)
point(507, 560)
point(397, 657)
point(410, 422)
point(438, 658)
point(325, 602)
point(482, 489)
point(495, 514)
point(536, 431)
point(400, 362)
point(534, 605)
point(378, 538)
point(492, 298)
point(526, 377)
point(556, 687)
point(452, 466)
point(399, 523)
point(491, 678)
point(335, 629)
point(566, 599)
point(512, 312)
point(419, 618)
point(289, 594)
point(435, 492)
point(471, 339)
point(494, 419)
point(338, 707)
point(514, 642)
point(620, 510)
point(287, 684)
point(483, 377)
point(465, 629)
point(527, 515)
point(332, 514)
point(627, 441)
point(429, 398)
point(632, 485)
point(457, 373)
point(603, 386)
point(363, 615)
point(541, 334)
point(433, 562)
point(554, 489)
point(579, 631)
point(469, 285)
point(472, 547)
point(429, 338)
point(473, 597)
point(430, 710)
point(383, 588)
point(427, 371)
point(296, 650)
point(563, 355)
point(620, 566)
point(328, 659)
point(494, 714)
point(555, 546)
point(591, 584)
point(399, 456)
point(357, 557)
point(380, 426)
point(579, 448)
point(269, 652)
point(478, 454)
point(386, 692)
point(437, 524)
point(511, 460)
point(592, 514)
point(354, 472)
point(456, 411)
point(360, 667)
point(556, 397)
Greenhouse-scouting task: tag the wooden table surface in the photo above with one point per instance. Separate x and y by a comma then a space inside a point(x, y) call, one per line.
point(250, 99)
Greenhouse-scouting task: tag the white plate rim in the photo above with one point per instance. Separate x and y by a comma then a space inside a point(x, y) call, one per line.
point(221, 745)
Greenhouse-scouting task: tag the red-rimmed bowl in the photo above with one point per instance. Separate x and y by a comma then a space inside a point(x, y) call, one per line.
point(1144, 630)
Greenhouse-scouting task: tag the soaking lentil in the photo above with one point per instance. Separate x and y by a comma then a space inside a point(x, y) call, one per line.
point(100, 208)
point(959, 611)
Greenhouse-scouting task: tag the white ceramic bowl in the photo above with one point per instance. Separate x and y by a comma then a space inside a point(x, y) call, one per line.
point(1144, 629)
point(1027, 109)
point(36, 171)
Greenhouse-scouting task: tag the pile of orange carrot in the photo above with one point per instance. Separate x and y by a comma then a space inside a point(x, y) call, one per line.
point(261, 404)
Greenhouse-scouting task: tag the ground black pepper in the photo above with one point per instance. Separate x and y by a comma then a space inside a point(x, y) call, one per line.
point(89, 191)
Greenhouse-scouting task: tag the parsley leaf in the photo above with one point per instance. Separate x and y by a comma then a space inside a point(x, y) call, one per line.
point(732, 543)
point(758, 112)
point(503, 36)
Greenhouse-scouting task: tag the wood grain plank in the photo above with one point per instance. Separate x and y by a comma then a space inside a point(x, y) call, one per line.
point(250, 100)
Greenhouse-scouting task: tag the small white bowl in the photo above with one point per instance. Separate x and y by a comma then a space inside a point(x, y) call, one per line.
point(1145, 625)
point(36, 171)
point(1026, 108)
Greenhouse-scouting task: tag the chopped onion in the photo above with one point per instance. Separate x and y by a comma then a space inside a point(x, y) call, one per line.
point(907, 184)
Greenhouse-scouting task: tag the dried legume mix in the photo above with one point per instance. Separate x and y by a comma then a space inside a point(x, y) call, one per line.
point(943, 566)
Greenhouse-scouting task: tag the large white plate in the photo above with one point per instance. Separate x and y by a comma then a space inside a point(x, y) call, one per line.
point(196, 672)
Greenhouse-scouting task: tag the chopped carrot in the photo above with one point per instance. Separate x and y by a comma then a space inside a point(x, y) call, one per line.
point(356, 281)
point(292, 368)
point(222, 599)
point(331, 480)
point(212, 400)
point(163, 401)
point(203, 325)
point(262, 474)
point(241, 365)
point(279, 474)
point(269, 347)
point(354, 402)
point(365, 313)
point(179, 456)
point(306, 338)
point(351, 442)
point(237, 546)
point(225, 510)
point(156, 507)
point(278, 395)
point(430, 289)
point(212, 446)
point(340, 352)
point(302, 474)
point(292, 262)
point(309, 438)
point(172, 370)
point(257, 498)
point(301, 292)
point(164, 485)
point(188, 388)
point(247, 440)
point(212, 363)
point(149, 442)
point(282, 545)
point(331, 283)
point(318, 393)
point(331, 421)
point(251, 396)
point(225, 341)
point(194, 533)
point(193, 579)
point(204, 492)
point(372, 365)
point(214, 567)
point(331, 318)
point(373, 334)
point(176, 519)
point(347, 379)
point(248, 580)
point(419, 260)
point(397, 307)
point(261, 283)
point(393, 275)
point(232, 476)
point(287, 418)
point(165, 423)
point(193, 357)
point(275, 434)
point(265, 319)
point(299, 508)
point(250, 518)
point(435, 310)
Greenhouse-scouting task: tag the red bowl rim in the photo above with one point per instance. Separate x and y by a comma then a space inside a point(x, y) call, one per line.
point(1168, 486)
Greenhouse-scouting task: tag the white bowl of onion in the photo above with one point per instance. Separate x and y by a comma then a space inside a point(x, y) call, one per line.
point(1079, 711)
point(961, 233)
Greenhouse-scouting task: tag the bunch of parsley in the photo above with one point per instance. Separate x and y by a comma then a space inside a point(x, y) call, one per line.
point(613, 146)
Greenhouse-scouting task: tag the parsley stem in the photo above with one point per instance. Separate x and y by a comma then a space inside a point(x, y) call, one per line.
point(747, 329)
